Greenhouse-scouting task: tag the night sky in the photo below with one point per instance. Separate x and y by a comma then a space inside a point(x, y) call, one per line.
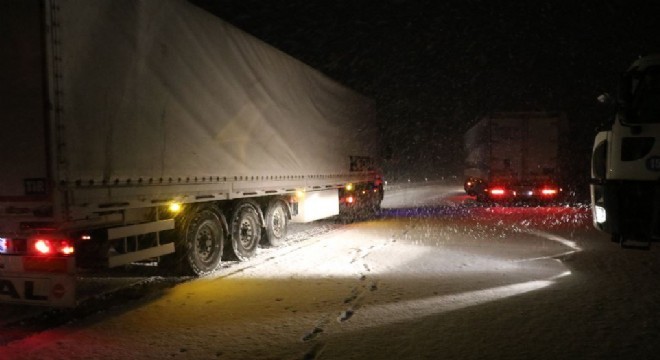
point(433, 66)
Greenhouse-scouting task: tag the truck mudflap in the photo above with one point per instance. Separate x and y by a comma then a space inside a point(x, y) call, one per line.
point(38, 280)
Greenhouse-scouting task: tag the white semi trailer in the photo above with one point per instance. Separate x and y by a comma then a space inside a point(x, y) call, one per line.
point(151, 129)
point(625, 169)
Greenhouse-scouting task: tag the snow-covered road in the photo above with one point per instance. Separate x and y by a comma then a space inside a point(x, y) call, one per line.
point(435, 277)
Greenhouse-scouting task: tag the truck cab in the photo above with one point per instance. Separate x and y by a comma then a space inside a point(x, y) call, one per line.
point(625, 169)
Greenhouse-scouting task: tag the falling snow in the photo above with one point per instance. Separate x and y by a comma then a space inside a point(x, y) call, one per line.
point(449, 279)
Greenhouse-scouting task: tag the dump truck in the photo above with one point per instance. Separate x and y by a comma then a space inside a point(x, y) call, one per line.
point(625, 166)
point(515, 156)
point(151, 130)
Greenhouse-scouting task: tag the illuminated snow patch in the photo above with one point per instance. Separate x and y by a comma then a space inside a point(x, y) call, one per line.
point(379, 315)
point(564, 274)
point(559, 239)
point(568, 243)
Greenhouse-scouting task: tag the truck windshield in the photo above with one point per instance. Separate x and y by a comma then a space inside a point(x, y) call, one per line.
point(645, 96)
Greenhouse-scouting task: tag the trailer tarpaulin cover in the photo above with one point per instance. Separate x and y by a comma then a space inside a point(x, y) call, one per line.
point(157, 88)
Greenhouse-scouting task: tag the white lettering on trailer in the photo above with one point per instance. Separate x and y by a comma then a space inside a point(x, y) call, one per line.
point(24, 289)
point(58, 292)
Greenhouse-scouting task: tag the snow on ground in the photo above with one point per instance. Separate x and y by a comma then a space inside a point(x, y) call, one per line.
point(435, 277)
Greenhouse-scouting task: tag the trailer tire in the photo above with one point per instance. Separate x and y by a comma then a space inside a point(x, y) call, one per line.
point(204, 238)
point(277, 221)
point(245, 230)
point(376, 207)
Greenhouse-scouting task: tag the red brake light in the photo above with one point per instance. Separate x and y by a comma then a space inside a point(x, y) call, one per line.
point(497, 191)
point(549, 192)
point(45, 246)
point(42, 247)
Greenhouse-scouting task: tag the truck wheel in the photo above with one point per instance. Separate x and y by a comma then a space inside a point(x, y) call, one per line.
point(277, 221)
point(204, 238)
point(245, 231)
point(376, 207)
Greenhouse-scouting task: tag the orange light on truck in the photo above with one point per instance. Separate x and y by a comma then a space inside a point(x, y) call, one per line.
point(349, 187)
point(350, 199)
point(67, 249)
point(174, 207)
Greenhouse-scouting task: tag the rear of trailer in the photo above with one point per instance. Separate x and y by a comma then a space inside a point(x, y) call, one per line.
point(516, 156)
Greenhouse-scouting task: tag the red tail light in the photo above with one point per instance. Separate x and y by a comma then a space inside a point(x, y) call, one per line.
point(48, 246)
point(548, 192)
point(498, 191)
point(350, 199)
point(43, 247)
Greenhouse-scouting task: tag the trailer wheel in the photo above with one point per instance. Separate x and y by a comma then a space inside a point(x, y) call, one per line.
point(376, 206)
point(245, 231)
point(277, 221)
point(204, 239)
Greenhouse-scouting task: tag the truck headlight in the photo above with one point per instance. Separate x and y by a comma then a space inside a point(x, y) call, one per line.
point(600, 214)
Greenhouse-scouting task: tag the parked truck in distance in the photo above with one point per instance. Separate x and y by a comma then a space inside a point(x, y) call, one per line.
point(515, 156)
point(152, 130)
point(625, 167)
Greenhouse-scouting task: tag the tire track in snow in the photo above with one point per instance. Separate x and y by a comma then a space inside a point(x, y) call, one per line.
point(354, 300)
point(435, 305)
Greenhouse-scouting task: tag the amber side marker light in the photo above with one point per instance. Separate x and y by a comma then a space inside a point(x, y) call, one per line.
point(175, 207)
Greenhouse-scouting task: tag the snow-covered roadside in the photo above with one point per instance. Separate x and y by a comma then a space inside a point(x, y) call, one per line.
point(510, 283)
